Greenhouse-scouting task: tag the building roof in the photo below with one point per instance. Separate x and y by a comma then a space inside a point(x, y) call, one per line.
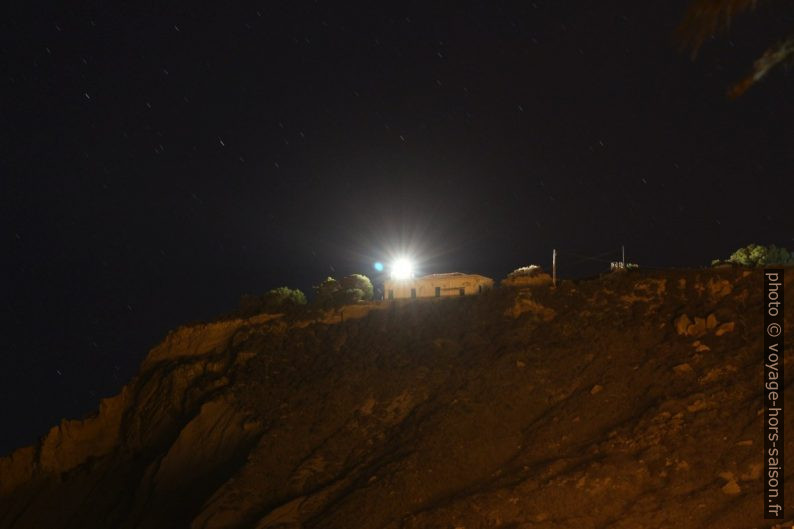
point(441, 276)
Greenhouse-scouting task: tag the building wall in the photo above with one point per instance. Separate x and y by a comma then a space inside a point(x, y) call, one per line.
point(440, 285)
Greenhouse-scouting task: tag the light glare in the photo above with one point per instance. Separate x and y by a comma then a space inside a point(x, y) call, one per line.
point(402, 269)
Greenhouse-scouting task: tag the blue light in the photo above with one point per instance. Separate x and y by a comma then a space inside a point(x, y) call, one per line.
point(378, 266)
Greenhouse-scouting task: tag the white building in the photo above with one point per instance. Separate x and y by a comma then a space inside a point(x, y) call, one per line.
point(436, 286)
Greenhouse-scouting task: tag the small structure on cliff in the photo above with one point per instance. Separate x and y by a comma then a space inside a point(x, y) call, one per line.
point(436, 286)
point(620, 266)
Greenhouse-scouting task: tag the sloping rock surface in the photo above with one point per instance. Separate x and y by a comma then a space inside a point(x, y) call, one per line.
point(632, 401)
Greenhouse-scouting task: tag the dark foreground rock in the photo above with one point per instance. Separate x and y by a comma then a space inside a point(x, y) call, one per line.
point(633, 401)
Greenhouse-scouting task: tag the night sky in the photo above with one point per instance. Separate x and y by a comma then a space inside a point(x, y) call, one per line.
point(158, 162)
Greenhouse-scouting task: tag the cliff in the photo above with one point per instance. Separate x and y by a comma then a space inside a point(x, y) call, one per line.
point(630, 401)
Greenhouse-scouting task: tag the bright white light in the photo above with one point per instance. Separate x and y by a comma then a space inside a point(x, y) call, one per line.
point(402, 269)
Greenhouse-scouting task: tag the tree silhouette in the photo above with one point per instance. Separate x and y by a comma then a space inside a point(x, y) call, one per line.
point(706, 18)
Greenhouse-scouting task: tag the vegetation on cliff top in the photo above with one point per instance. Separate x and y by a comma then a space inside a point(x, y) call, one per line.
point(756, 255)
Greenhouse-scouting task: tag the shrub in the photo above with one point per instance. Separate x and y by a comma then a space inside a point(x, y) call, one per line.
point(358, 282)
point(526, 276)
point(350, 289)
point(325, 292)
point(281, 299)
point(531, 271)
point(249, 305)
point(348, 296)
point(757, 255)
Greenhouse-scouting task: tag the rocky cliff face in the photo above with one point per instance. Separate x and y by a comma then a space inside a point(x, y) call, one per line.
point(631, 401)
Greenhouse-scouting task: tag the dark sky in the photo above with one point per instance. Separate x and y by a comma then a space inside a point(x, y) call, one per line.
point(158, 162)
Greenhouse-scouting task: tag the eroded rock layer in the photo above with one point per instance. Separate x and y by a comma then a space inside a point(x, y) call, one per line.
point(630, 401)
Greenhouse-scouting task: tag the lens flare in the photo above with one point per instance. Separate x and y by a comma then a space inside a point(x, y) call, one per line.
point(378, 266)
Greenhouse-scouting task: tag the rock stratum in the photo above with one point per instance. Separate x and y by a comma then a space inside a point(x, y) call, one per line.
point(630, 401)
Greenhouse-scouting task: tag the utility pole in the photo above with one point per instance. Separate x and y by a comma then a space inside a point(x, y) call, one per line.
point(554, 267)
point(623, 255)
